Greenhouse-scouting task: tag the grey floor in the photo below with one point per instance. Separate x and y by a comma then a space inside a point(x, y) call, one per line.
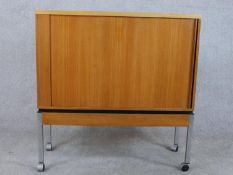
point(99, 151)
point(109, 150)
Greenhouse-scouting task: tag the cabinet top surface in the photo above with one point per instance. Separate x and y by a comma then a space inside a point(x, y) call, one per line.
point(122, 14)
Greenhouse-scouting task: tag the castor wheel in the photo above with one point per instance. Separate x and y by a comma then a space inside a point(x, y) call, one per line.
point(49, 147)
point(40, 167)
point(174, 148)
point(184, 167)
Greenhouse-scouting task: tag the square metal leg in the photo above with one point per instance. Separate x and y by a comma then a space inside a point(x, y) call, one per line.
point(41, 165)
point(49, 143)
point(175, 146)
point(185, 164)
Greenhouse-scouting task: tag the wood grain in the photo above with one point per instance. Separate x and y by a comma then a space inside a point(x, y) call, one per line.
point(123, 14)
point(121, 63)
point(197, 43)
point(94, 119)
point(43, 61)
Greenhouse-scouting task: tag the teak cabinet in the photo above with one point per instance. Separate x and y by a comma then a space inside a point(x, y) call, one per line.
point(116, 69)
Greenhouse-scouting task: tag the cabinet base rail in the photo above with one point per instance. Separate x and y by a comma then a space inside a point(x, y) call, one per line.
point(115, 119)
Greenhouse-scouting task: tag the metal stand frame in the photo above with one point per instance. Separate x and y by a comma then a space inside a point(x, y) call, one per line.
point(41, 165)
point(49, 143)
point(184, 166)
point(175, 146)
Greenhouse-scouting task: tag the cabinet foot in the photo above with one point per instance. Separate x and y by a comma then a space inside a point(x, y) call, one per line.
point(49, 146)
point(184, 167)
point(174, 148)
point(41, 167)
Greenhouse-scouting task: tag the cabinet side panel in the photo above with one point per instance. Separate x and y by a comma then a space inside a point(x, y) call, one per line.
point(197, 43)
point(43, 61)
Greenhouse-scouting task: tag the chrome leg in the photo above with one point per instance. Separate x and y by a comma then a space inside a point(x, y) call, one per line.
point(175, 146)
point(49, 144)
point(40, 166)
point(188, 140)
point(185, 164)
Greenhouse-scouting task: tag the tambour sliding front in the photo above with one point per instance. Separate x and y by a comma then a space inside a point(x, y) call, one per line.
point(116, 69)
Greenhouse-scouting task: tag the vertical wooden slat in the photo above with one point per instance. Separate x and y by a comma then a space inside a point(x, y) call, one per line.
point(43, 61)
